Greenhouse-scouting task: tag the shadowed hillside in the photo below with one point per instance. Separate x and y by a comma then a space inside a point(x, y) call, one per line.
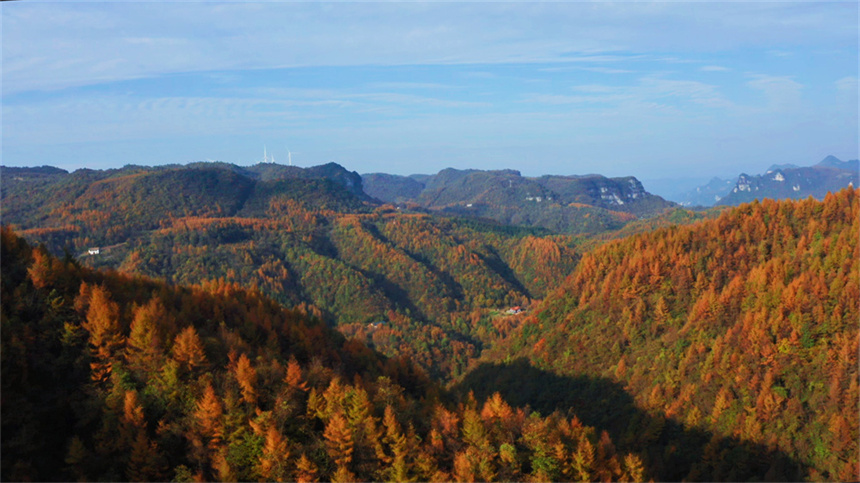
point(744, 326)
point(107, 377)
point(670, 450)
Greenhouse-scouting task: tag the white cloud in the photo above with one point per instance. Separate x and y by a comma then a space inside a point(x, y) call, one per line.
point(405, 99)
point(57, 45)
point(467, 102)
point(608, 70)
point(411, 85)
point(109, 118)
point(560, 99)
point(694, 91)
point(597, 88)
point(780, 53)
point(714, 68)
point(652, 92)
point(781, 92)
point(847, 85)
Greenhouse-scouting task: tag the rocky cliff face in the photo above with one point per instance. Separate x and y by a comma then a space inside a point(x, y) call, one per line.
point(452, 187)
point(830, 175)
point(780, 181)
point(561, 203)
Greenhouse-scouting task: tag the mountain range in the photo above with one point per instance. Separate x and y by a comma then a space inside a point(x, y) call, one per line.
point(780, 181)
point(302, 237)
point(215, 322)
point(728, 324)
point(564, 204)
point(118, 378)
point(569, 204)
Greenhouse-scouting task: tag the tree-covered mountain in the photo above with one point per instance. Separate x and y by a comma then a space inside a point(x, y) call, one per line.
point(567, 204)
point(422, 277)
point(716, 345)
point(89, 207)
point(744, 326)
point(392, 188)
point(107, 377)
point(303, 240)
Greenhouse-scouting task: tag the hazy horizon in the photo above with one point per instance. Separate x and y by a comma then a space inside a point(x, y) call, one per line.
point(652, 90)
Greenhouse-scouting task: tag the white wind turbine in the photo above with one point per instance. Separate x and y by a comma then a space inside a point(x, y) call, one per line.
point(290, 156)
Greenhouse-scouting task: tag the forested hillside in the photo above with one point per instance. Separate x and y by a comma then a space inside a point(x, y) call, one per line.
point(745, 326)
point(405, 283)
point(107, 377)
point(565, 204)
point(423, 282)
point(102, 208)
point(717, 345)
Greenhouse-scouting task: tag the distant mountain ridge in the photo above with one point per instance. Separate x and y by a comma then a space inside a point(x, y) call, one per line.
point(573, 204)
point(143, 198)
point(34, 198)
point(780, 181)
point(829, 175)
point(299, 239)
point(258, 172)
point(709, 194)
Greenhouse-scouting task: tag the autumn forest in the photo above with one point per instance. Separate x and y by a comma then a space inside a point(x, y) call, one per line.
point(217, 323)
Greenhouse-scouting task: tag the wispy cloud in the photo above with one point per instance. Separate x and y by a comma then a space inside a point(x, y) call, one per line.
point(560, 99)
point(597, 69)
point(781, 92)
point(608, 70)
point(567, 80)
point(595, 88)
point(111, 118)
point(847, 84)
point(650, 91)
point(697, 92)
point(411, 85)
point(406, 99)
point(57, 45)
point(780, 53)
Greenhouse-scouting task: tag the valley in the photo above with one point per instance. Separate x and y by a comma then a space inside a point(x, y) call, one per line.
point(635, 331)
point(502, 241)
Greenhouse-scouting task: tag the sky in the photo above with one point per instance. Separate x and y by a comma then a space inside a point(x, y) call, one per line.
point(655, 90)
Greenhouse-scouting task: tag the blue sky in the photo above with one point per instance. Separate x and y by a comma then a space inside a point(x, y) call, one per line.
point(671, 89)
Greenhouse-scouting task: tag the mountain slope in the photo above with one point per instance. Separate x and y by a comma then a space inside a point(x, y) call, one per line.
point(745, 325)
point(391, 188)
point(113, 378)
point(421, 275)
point(568, 204)
point(88, 207)
point(302, 240)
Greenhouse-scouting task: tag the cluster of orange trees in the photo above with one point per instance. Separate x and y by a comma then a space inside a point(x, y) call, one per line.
point(716, 346)
point(744, 326)
point(109, 376)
